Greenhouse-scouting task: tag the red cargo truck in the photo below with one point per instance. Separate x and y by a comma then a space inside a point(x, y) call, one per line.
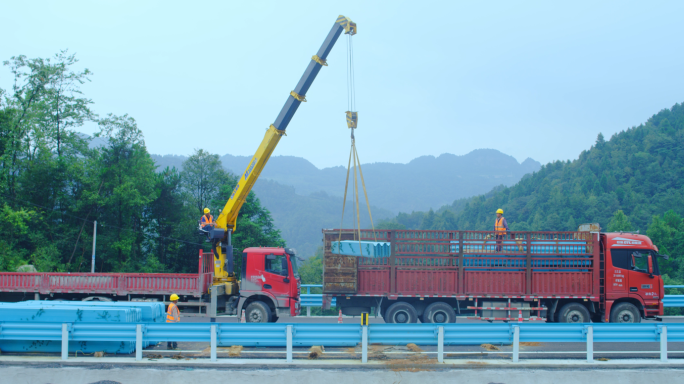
point(270, 287)
point(435, 276)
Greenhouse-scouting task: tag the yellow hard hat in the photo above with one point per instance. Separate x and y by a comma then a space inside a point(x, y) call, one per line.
point(206, 210)
point(499, 211)
point(174, 297)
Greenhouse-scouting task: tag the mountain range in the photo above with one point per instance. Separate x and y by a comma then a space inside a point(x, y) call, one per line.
point(304, 199)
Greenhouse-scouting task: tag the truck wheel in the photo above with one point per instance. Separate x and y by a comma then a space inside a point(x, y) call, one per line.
point(574, 313)
point(625, 313)
point(257, 312)
point(401, 313)
point(439, 313)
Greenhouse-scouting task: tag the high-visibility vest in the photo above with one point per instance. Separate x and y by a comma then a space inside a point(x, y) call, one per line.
point(204, 219)
point(172, 314)
point(499, 225)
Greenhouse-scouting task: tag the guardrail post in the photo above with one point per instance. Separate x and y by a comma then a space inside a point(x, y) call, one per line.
point(590, 344)
point(289, 343)
point(364, 344)
point(212, 304)
point(440, 345)
point(213, 342)
point(65, 341)
point(516, 343)
point(138, 342)
point(663, 343)
point(308, 311)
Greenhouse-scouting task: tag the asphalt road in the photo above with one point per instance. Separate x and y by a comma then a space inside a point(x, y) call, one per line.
point(81, 375)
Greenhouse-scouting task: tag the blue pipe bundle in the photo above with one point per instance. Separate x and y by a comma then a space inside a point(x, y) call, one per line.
point(75, 312)
point(366, 249)
point(152, 312)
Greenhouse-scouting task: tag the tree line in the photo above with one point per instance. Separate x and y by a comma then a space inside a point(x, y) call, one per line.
point(54, 183)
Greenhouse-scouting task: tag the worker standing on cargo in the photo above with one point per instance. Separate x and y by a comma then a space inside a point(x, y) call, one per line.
point(500, 228)
point(173, 316)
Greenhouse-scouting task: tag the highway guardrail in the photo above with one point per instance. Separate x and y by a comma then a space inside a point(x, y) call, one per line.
point(341, 335)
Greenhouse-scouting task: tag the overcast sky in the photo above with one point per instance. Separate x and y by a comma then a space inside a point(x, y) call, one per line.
point(531, 79)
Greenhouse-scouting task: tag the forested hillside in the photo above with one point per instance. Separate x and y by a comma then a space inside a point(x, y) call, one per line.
point(54, 183)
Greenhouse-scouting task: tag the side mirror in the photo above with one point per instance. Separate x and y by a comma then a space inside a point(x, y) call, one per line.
point(666, 257)
point(650, 265)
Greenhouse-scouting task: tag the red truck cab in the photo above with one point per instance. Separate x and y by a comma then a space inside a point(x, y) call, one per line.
point(270, 284)
point(632, 277)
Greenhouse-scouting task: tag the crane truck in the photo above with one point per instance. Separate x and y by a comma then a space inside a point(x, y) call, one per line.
point(436, 276)
point(269, 286)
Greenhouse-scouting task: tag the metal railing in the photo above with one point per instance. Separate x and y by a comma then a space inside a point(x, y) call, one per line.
point(309, 299)
point(345, 335)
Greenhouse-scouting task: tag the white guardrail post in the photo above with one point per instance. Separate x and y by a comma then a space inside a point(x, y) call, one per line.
point(440, 345)
point(663, 343)
point(590, 344)
point(65, 341)
point(288, 332)
point(213, 342)
point(516, 343)
point(364, 344)
point(138, 342)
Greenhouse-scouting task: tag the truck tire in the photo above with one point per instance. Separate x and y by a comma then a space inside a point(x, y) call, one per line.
point(258, 312)
point(401, 313)
point(574, 313)
point(439, 313)
point(625, 313)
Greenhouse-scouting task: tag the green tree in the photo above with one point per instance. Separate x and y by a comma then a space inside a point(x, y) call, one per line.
point(126, 173)
point(619, 223)
point(203, 175)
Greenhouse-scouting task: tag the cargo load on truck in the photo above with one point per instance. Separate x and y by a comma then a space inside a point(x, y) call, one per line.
point(546, 276)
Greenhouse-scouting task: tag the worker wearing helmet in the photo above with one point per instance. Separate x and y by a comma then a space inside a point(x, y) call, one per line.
point(207, 220)
point(500, 229)
point(173, 316)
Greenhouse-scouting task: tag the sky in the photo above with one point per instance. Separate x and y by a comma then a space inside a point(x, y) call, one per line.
point(530, 79)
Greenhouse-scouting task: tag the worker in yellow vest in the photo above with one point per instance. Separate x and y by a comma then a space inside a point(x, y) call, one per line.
point(500, 229)
point(173, 316)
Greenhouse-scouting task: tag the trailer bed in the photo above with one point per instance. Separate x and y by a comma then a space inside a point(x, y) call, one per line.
point(466, 264)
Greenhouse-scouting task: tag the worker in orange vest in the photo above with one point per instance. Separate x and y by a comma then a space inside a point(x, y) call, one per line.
point(173, 316)
point(207, 222)
point(500, 229)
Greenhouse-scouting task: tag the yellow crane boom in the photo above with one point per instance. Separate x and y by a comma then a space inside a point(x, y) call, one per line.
point(226, 221)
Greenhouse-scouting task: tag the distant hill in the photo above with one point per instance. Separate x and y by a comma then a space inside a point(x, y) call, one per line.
point(425, 182)
point(304, 199)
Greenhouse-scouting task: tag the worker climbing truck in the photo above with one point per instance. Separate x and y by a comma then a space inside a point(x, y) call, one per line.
point(268, 286)
point(435, 276)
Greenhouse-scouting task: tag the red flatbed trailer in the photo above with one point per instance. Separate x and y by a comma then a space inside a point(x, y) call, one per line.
point(17, 286)
point(551, 276)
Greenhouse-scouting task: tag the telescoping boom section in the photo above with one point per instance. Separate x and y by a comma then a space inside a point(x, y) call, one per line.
point(226, 221)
